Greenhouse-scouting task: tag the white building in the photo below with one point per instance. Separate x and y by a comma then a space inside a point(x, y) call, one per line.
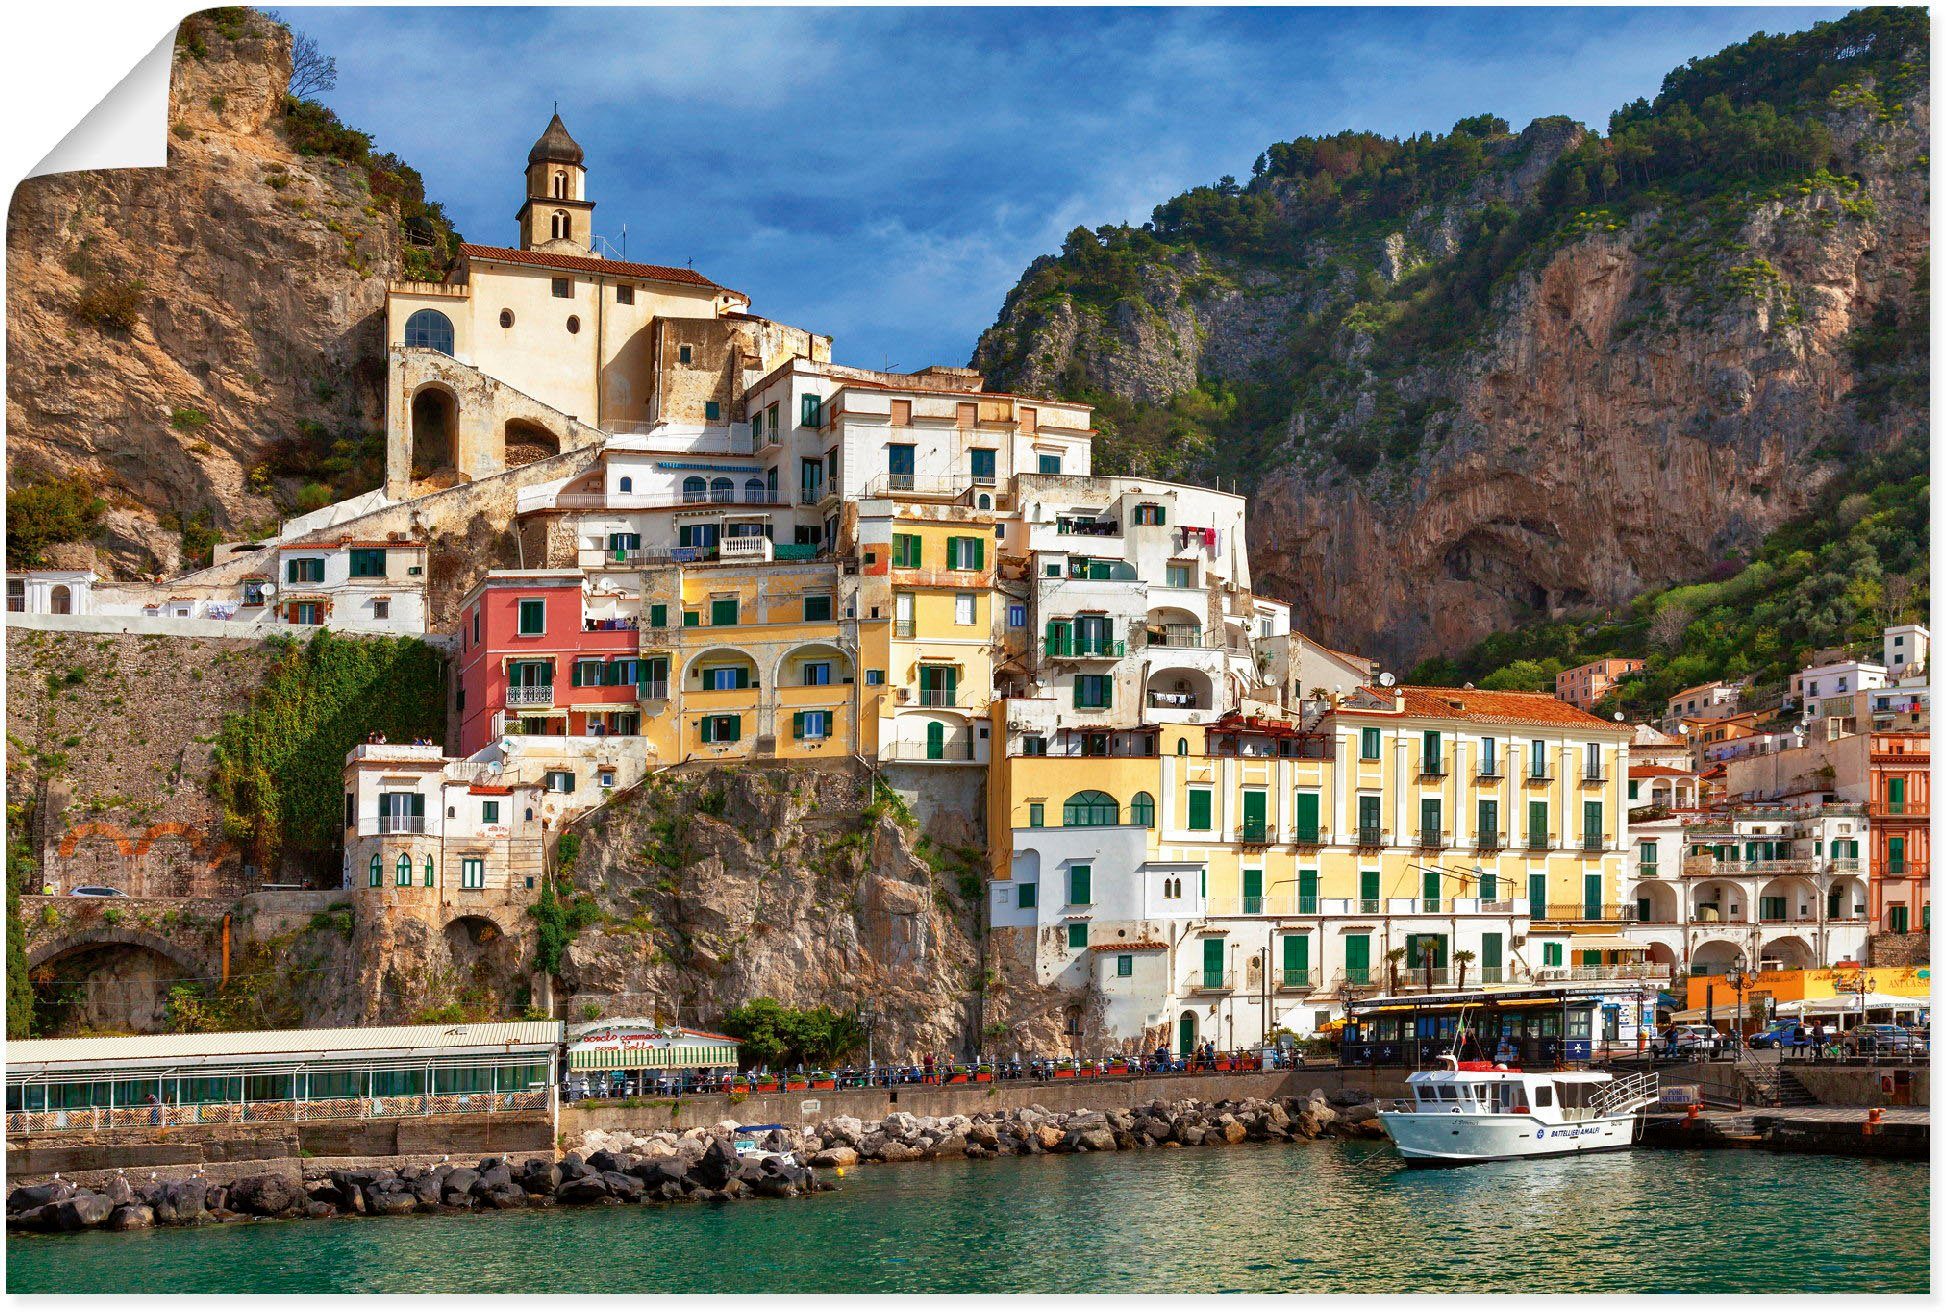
point(1905, 650)
point(1832, 679)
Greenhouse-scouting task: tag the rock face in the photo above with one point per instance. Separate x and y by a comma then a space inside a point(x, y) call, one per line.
point(257, 278)
point(790, 882)
point(1643, 400)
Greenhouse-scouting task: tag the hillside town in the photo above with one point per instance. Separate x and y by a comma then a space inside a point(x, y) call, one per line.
point(1201, 826)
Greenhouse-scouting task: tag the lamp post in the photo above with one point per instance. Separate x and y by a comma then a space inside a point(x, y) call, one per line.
point(1738, 979)
point(868, 1019)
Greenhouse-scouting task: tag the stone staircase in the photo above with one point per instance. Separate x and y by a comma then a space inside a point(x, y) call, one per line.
point(1770, 1084)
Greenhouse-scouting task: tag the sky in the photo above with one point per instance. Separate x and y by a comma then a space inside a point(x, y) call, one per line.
point(885, 175)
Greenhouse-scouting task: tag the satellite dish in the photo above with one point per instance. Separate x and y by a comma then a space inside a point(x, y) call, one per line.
point(1386, 680)
point(1618, 716)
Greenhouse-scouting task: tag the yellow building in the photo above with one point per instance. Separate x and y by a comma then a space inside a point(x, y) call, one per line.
point(1780, 986)
point(1278, 867)
point(749, 659)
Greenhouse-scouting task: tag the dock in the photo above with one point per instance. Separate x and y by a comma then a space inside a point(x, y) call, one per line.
point(1892, 1132)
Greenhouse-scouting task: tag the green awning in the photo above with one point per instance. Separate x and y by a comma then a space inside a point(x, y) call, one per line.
point(672, 1056)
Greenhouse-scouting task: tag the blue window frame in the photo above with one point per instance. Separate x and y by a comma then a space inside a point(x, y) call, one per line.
point(431, 329)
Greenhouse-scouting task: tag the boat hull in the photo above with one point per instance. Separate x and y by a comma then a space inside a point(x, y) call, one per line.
point(1456, 1139)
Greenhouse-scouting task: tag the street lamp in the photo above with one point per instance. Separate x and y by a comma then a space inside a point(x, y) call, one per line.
point(868, 1018)
point(1738, 979)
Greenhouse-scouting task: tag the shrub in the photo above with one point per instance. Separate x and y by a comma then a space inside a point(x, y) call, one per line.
point(187, 419)
point(110, 304)
point(42, 514)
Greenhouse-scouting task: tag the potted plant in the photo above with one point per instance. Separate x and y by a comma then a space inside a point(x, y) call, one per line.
point(958, 1074)
point(984, 1073)
point(1066, 1069)
point(796, 1083)
point(823, 1080)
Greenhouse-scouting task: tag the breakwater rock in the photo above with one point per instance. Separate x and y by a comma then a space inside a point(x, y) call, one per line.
point(1183, 1123)
point(700, 1168)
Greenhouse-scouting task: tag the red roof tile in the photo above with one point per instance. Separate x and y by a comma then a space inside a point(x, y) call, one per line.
point(588, 264)
point(1483, 707)
point(1655, 771)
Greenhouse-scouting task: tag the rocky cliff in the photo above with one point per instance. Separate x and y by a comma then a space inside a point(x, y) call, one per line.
point(798, 883)
point(1495, 377)
point(203, 343)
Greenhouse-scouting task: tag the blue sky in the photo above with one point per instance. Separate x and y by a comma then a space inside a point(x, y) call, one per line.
point(884, 175)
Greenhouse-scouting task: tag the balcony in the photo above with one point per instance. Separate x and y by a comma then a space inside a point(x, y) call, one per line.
point(541, 694)
point(1208, 981)
point(1100, 649)
point(657, 690)
point(1296, 981)
point(1069, 526)
point(1186, 636)
point(1433, 770)
point(1592, 843)
point(1908, 809)
point(750, 547)
point(1645, 970)
point(1537, 843)
point(1254, 832)
point(1252, 906)
point(936, 697)
point(811, 496)
point(1576, 911)
point(1368, 838)
point(1489, 843)
point(402, 824)
point(1535, 778)
point(1430, 841)
point(1488, 772)
point(903, 628)
point(1592, 776)
point(1358, 979)
point(1368, 906)
point(920, 487)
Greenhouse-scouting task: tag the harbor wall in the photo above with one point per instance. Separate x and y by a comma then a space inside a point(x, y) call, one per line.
point(1831, 1086)
point(147, 1148)
point(800, 1108)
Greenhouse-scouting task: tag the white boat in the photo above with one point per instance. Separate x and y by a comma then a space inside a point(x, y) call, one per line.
point(1487, 1112)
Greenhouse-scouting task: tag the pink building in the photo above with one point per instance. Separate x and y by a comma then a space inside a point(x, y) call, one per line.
point(538, 655)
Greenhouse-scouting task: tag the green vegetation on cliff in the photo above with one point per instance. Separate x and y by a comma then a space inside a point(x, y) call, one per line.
point(1831, 578)
point(280, 761)
point(1675, 176)
point(44, 513)
point(21, 868)
point(779, 1036)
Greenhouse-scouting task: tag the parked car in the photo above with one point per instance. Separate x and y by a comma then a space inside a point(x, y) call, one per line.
point(96, 890)
point(1778, 1035)
point(1693, 1037)
point(1881, 1040)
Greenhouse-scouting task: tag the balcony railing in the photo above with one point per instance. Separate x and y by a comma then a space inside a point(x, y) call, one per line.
point(1488, 772)
point(1089, 528)
point(1360, 979)
point(1368, 837)
point(1534, 777)
point(656, 690)
point(1174, 701)
point(811, 496)
point(1591, 776)
point(1209, 981)
point(1368, 906)
point(1430, 841)
point(1433, 770)
point(1538, 842)
point(1176, 635)
point(1296, 981)
point(1574, 911)
point(402, 824)
point(1489, 842)
point(1095, 650)
point(937, 697)
point(1593, 843)
point(1252, 906)
point(903, 628)
point(1648, 970)
point(1253, 831)
point(541, 694)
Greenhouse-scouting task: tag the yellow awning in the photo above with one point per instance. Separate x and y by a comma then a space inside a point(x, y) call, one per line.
point(1604, 943)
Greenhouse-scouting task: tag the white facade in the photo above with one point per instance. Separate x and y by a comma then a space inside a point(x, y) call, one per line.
point(1815, 683)
point(1905, 649)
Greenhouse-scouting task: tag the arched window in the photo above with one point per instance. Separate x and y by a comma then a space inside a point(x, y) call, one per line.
point(59, 600)
point(431, 329)
point(426, 873)
point(1144, 811)
point(372, 872)
point(1184, 748)
point(623, 485)
point(561, 191)
point(1090, 808)
point(507, 318)
point(403, 871)
point(694, 488)
point(754, 489)
point(982, 502)
point(721, 489)
point(558, 225)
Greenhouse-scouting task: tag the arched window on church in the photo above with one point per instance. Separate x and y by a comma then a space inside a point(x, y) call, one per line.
point(558, 224)
point(431, 329)
point(561, 191)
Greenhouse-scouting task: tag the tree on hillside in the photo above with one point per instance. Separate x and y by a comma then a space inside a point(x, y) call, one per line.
point(313, 72)
point(1668, 627)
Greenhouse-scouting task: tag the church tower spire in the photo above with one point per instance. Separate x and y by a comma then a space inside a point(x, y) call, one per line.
point(556, 213)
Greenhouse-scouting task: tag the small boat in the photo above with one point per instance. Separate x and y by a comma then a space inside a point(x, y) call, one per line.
point(1479, 1111)
point(744, 1141)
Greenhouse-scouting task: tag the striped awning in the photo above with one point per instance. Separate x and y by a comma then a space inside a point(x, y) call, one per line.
point(619, 1049)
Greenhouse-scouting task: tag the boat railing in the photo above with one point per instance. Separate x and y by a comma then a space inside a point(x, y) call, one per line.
point(1625, 1094)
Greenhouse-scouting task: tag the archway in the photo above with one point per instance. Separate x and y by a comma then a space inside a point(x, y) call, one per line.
point(436, 426)
point(1178, 689)
point(1655, 903)
point(1789, 952)
point(1714, 957)
point(60, 600)
point(1187, 1032)
point(524, 443)
point(814, 665)
point(118, 982)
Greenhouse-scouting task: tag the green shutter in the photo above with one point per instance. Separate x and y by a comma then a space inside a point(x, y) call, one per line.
point(1198, 809)
point(977, 543)
point(1491, 960)
point(798, 724)
point(737, 727)
point(1371, 886)
point(1215, 962)
point(1538, 889)
point(1309, 891)
point(1079, 885)
point(1253, 884)
point(1594, 896)
point(1307, 807)
point(1357, 958)
point(659, 615)
point(1079, 935)
point(1293, 955)
point(724, 610)
point(1540, 823)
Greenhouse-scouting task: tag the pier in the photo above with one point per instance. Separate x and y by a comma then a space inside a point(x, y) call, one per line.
point(1898, 1132)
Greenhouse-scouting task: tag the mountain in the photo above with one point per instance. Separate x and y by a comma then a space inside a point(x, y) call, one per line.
point(197, 350)
point(1486, 379)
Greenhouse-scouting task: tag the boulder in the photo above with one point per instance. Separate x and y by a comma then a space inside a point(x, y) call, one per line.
point(900, 1125)
point(719, 1163)
point(839, 1155)
point(182, 1202)
point(1097, 1139)
point(624, 1186)
point(1191, 1134)
point(1232, 1131)
point(427, 1189)
point(118, 1190)
point(30, 1196)
point(540, 1177)
point(953, 1145)
point(497, 1176)
point(1361, 1112)
point(80, 1210)
point(604, 1162)
point(264, 1195)
point(1047, 1135)
point(896, 1151)
point(130, 1216)
point(454, 1190)
point(981, 1134)
point(1085, 1120)
point(582, 1189)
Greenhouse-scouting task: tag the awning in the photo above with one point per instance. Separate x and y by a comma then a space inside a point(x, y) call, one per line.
point(1847, 1003)
point(676, 1056)
point(1603, 943)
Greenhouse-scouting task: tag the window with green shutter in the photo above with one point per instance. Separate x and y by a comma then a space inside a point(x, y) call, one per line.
point(1056, 638)
point(373, 875)
point(1025, 896)
point(1594, 897)
point(1486, 826)
point(1539, 887)
point(1079, 885)
point(1368, 813)
point(1215, 963)
point(1594, 825)
point(367, 562)
point(1309, 892)
point(1252, 890)
point(724, 610)
point(809, 409)
point(1370, 891)
point(473, 872)
point(1035, 815)
point(491, 811)
point(533, 617)
point(305, 569)
point(659, 615)
point(1540, 825)
point(1432, 822)
point(907, 551)
point(964, 553)
point(1428, 952)
point(1198, 808)
point(1553, 954)
point(1357, 958)
point(1093, 692)
point(1371, 744)
point(1293, 960)
point(1123, 964)
point(1306, 810)
point(818, 609)
point(1079, 934)
point(1490, 961)
point(1897, 863)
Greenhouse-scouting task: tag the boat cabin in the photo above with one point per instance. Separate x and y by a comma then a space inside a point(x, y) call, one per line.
point(1481, 1088)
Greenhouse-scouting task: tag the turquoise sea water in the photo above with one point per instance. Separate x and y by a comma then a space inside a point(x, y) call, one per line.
point(1320, 1216)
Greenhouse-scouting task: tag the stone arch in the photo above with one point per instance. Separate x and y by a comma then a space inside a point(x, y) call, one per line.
point(74, 836)
point(787, 672)
point(1792, 951)
point(1714, 956)
point(106, 977)
point(523, 442)
point(721, 656)
point(434, 416)
point(168, 862)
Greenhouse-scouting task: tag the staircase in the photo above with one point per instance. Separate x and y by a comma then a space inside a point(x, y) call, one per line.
point(1771, 1084)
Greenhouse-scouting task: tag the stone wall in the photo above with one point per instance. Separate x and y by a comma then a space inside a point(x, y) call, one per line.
point(1911, 949)
point(932, 1100)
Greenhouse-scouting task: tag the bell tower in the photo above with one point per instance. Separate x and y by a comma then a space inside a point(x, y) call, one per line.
point(555, 216)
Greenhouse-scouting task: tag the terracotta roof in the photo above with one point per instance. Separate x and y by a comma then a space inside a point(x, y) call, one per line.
point(1699, 687)
point(1654, 771)
point(1142, 946)
point(589, 264)
point(1482, 707)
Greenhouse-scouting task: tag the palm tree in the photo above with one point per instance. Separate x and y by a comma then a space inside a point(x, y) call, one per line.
point(1395, 957)
point(1463, 958)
